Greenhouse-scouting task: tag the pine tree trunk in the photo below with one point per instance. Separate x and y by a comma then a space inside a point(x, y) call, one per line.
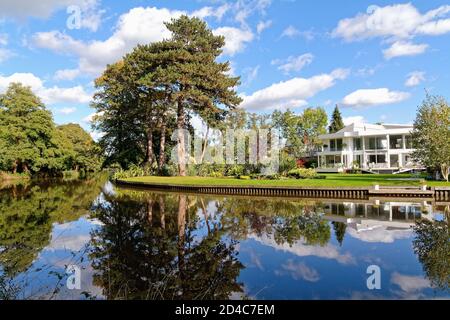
point(181, 139)
point(162, 146)
point(205, 145)
point(149, 151)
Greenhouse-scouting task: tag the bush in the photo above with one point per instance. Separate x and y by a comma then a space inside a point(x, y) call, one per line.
point(302, 173)
point(216, 175)
point(245, 177)
point(235, 170)
point(133, 171)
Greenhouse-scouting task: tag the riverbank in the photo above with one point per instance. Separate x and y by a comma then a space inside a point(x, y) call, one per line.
point(330, 181)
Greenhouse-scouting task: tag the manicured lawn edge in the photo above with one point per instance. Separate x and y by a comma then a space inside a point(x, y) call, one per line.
point(332, 182)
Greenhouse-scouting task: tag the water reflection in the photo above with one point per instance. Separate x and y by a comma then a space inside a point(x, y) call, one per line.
point(133, 244)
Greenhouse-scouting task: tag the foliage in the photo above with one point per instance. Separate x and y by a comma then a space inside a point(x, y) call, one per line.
point(431, 135)
point(302, 173)
point(432, 246)
point(131, 172)
point(336, 121)
point(29, 141)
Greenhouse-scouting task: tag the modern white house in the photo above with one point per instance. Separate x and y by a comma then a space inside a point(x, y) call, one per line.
point(369, 147)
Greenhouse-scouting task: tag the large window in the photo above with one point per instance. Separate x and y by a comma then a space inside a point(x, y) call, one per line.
point(336, 145)
point(395, 142)
point(376, 143)
point(394, 161)
point(357, 144)
point(377, 158)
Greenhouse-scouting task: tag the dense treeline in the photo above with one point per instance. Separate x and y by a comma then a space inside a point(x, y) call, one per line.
point(31, 143)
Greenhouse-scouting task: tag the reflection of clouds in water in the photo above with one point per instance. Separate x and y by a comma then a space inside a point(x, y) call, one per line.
point(300, 249)
point(380, 234)
point(298, 271)
point(409, 284)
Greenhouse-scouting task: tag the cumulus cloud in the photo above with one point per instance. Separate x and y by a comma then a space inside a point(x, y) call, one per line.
point(294, 63)
point(66, 74)
point(350, 120)
point(3, 39)
point(397, 24)
point(138, 26)
point(5, 54)
point(299, 271)
point(415, 78)
point(52, 95)
point(300, 249)
point(291, 93)
point(371, 97)
point(235, 39)
point(19, 9)
point(410, 284)
point(404, 48)
point(399, 21)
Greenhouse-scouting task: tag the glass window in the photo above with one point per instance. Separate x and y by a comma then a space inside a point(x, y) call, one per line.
point(381, 158)
point(381, 143)
point(372, 158)
point(394, 161)
point(332, 145)
point(371, 143)
point(339, 144)
point(395, 142)
point(357, 144)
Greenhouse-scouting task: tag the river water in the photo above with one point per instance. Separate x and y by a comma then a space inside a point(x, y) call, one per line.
point(89, 239)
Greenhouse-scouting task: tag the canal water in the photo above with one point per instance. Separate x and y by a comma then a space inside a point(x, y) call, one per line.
point(89, 239)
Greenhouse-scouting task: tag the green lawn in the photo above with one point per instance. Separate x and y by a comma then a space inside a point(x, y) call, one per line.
point(332, 180)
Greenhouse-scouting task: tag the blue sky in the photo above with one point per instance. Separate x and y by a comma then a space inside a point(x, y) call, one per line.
point(374, 59)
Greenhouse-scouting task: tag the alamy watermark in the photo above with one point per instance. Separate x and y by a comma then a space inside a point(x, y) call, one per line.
point(374, 280)
point(74, 279)
point(234, 146)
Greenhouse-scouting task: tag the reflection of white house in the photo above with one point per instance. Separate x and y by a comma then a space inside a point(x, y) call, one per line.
point(379, 148)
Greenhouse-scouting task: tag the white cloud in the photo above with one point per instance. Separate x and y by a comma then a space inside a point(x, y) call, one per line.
point(55, 95)
point(51, 95)
point(3, 39)
point(294, 63)
point(90, 118)
point(371, 97)
point(235, 39)
point(399, 21)
point(300, 249)
point(404, 48)
point(19, 9)
point(67, 110)
point(217, 13)
point(138, 26)
point(291, 93)
point(410, 283)
point(299, 271)
point(290, 32)
point(350, 120)
point(396, 24)
point(5, 54)
point(415, 78)
point(263, 25)
point(66, 74)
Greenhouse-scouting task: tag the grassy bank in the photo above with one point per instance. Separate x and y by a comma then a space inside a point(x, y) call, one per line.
point(332, 180)
point(5, 176)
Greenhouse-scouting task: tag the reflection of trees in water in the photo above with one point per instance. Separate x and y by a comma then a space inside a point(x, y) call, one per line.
point(162, 257)
point(288, 221)
point(27, 213)
point(432, 246)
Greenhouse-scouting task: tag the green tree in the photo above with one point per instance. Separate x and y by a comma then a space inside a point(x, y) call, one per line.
point(432, 246)
point(431, 134)
point(336, 121)
point(28, 138)
point(198, 82)
point(85, 154)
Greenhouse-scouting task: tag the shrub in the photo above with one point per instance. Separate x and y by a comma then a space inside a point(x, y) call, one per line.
point(245, 177)
point(235, 170)
point(302, 173)
point(133, 171)
point(216, 175)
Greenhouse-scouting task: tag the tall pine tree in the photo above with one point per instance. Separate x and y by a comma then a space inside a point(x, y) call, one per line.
point(336, 121)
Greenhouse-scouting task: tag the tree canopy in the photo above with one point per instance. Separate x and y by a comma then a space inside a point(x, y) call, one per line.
point(431, 134)
point(336, 121)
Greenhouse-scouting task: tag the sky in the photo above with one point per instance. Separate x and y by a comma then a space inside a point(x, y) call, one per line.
point(375, 59)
